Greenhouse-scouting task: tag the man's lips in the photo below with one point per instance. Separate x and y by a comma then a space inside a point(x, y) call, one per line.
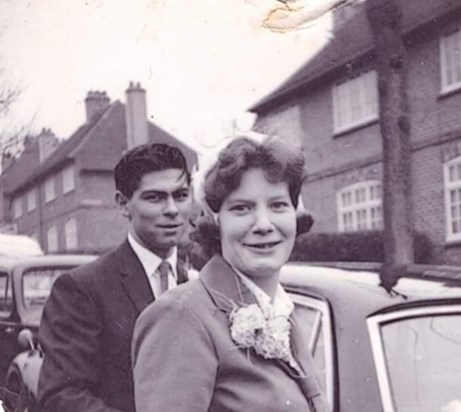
point(171, 226)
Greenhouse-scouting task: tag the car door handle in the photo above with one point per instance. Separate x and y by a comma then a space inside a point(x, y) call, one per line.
point(9, 330)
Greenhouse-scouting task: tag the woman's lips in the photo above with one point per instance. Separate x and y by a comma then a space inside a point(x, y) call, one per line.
point(263, 245)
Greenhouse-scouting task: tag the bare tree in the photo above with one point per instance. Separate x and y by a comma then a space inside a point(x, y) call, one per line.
point(385, 21)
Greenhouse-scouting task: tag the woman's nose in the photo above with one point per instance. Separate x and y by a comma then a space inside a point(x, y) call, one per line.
point(263, 222)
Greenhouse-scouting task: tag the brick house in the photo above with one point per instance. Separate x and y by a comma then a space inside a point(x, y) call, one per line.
point(329, 107)
point(62, 193)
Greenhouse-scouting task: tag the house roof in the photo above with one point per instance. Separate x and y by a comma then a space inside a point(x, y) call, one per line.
point(353, 40)
point(89, 143)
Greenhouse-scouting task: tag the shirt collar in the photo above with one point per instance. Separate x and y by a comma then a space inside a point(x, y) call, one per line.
point(149, 260)
point(282, 304)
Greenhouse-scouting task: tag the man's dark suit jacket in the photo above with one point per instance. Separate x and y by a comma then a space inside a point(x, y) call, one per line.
point(86, 332)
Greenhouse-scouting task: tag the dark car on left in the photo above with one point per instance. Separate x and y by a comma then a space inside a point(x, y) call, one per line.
point(25, 284)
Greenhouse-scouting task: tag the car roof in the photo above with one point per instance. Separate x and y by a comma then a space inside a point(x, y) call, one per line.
point(358, 284)
point(45, 260)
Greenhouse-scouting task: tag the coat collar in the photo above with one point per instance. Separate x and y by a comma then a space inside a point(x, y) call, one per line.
point(224, 286)
point(133, 277)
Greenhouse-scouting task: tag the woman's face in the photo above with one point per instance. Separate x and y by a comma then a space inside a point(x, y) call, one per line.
point(258, 226)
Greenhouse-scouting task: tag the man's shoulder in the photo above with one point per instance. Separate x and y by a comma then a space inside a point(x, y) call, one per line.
point(104, 265)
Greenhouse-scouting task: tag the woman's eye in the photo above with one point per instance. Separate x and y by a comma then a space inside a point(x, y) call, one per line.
point(280, 205)
point(239, 208)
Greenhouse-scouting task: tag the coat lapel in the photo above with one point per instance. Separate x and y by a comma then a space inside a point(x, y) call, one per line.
point(133, 277)
point(224, 286)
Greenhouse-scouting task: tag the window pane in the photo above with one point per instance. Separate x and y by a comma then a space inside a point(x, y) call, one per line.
point(423, 357)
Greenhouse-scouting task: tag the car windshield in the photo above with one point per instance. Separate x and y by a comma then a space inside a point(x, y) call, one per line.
point(423, 360)
point(37, 283)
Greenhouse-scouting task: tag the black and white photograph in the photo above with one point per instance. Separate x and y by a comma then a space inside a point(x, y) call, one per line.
point(226, 206)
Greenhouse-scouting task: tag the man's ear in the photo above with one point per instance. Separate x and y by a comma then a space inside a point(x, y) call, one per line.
point(122, 202)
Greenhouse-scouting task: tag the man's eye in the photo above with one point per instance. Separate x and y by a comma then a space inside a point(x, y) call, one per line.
point(181, 196)
point(153, 198)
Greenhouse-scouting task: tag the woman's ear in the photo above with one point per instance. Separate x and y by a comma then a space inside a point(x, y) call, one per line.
point(122, 203)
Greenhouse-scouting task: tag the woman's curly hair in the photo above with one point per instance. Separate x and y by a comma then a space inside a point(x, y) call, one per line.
point(279, 163)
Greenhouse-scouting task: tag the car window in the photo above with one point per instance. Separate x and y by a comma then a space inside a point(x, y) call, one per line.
point(419, 359)
point(37, 283)
point(315, 320)
point(6, 294)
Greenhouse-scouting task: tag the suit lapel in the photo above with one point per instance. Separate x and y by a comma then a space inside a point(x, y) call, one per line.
point(133, 278)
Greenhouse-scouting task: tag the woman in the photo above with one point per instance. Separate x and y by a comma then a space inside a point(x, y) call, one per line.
point(228, 341)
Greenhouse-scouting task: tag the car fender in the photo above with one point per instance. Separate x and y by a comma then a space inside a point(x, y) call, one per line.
point(28, 365)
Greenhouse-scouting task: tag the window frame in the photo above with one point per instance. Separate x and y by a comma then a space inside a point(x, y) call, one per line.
point(368, 205)
point(6, 313)
point(50, 189)
point(344, 88)
point(374, 324)
point(51, 227)
point(68, 179)
point(31, 205)
point(447, 188)
point(66, 226)
point(444, 86)
point(323, 307)
point(17, 207)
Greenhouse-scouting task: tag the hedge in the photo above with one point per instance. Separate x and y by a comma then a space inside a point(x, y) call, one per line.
point(366, 246)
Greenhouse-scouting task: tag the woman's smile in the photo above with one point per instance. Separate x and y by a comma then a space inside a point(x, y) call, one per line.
point(258, 226)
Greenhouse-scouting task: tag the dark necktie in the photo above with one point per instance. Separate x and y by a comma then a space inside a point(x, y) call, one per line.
point(164, 269)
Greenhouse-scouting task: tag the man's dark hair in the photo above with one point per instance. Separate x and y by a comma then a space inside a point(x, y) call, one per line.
point(144, 159)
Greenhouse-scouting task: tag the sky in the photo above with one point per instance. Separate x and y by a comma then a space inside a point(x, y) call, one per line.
point(202, 62)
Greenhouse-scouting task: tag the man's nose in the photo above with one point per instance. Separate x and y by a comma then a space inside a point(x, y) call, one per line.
point(263, 221)
point(171, 208)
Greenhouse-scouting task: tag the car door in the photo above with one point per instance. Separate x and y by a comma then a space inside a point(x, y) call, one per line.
point(417, 353)
point(8, 325)
point(315, 319)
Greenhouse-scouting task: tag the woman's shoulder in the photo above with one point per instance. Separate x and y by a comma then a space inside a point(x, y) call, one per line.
point(190, 296)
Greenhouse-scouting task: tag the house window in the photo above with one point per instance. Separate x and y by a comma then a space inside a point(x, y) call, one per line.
point(68, 179)
point(52, 239)
point(17, 207)
point(450, 61)
point(31, 200)
point(355, 102)
point(50, 192)
point(71, 234)
point(360, 207)
point(452, 180)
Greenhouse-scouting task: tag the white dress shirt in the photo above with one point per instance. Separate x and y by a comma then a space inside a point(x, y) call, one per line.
point(150, 262)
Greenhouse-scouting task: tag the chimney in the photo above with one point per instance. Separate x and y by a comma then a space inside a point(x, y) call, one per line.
point(136, 116)
point(95, 102)
point(47, 143)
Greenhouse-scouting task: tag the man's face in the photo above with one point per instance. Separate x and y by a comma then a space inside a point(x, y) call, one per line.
point(159, 210)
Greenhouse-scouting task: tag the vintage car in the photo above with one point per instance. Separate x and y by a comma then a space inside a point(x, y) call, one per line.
point(397, 351)
point(25, 284)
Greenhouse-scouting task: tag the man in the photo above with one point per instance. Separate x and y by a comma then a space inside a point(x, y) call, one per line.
point(89, 318)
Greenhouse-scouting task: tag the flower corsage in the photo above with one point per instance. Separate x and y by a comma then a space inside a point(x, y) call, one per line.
point(263, 331)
